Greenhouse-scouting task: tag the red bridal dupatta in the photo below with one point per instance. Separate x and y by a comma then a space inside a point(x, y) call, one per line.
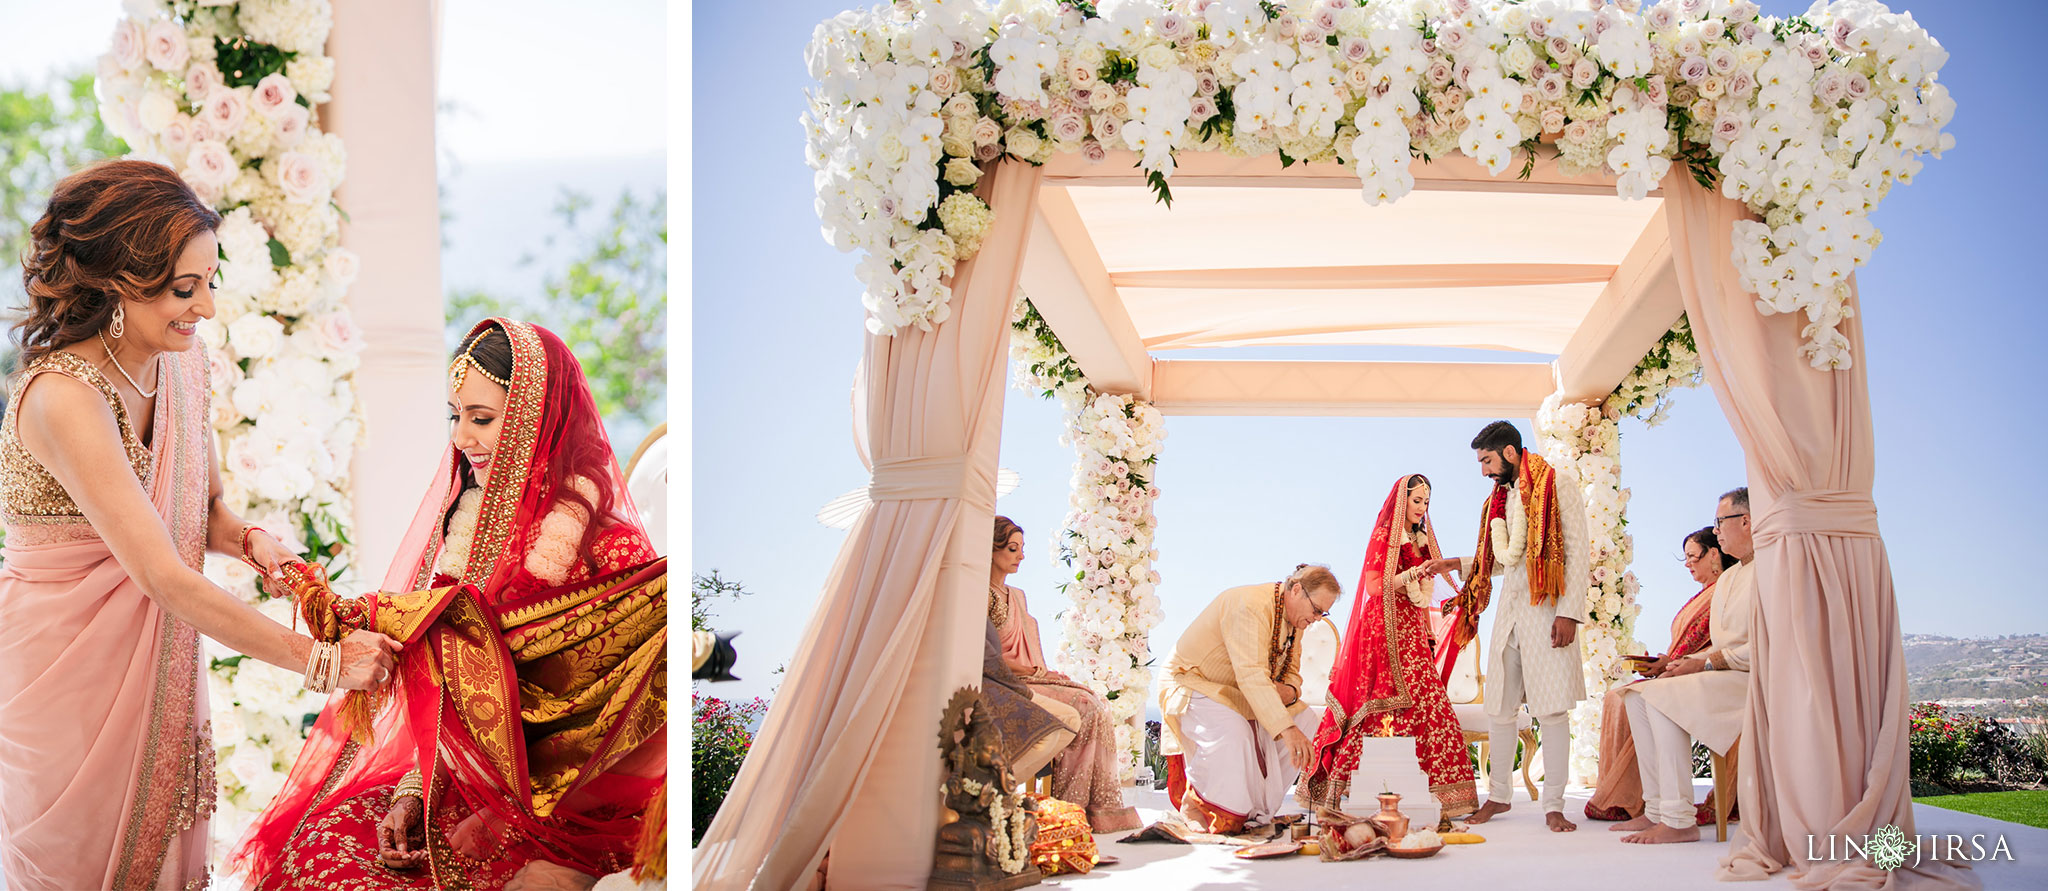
point(535, 712)
point(1385, 681)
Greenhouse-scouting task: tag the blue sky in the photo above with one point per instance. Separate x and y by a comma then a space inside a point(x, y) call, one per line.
point(1950, 304)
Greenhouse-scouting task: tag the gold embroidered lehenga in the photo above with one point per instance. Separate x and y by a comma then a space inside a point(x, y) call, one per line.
point(533, 708)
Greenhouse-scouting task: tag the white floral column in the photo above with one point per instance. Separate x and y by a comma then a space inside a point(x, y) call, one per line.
point(229, 95)
point(1587, 438)
point(1107, 539)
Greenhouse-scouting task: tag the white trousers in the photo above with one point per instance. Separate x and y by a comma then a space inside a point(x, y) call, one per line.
point(1557, 739)
point(1233, 763)
point(1664, 761)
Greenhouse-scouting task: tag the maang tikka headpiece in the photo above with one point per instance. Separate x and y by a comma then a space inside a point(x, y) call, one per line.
point(459, 369)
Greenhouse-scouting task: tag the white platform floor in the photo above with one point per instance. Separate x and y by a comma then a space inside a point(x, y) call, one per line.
point(1519, 853)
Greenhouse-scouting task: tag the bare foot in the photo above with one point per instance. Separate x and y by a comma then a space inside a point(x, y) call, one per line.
point(1661, 834)
point(1558, 823)
point(1488, 811)
point(1636, 825)
point(541, 875)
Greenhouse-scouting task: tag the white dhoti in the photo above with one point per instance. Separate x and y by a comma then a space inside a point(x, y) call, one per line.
point(1664, 759)
point(1233, 764)
point(1556, 728)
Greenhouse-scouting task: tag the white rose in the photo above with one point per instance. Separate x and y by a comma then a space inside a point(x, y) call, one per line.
point(157, 110)
point(164, 46)
point(302, 177)
point(341, 265)
point(962, 172)
point(337, 332)
point(256, 336)
point(288, 125)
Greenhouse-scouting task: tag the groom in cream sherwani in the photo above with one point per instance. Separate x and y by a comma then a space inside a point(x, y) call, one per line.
point(1533, 536)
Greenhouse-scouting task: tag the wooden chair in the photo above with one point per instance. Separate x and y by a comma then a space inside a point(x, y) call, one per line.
point(1724, 787)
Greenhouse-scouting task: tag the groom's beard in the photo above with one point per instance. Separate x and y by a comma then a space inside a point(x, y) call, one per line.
point(1507, 476)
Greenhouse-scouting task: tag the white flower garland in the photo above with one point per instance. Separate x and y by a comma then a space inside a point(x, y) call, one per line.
point(1009, 824)
point(1810, 120)
point(228, 94)
point(1587, 439)
point(1108, 531)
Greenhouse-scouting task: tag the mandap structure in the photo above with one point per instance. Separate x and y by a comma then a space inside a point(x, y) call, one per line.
point(1652, 194)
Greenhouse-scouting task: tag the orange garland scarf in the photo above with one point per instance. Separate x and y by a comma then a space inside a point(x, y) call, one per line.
point(1545, 554)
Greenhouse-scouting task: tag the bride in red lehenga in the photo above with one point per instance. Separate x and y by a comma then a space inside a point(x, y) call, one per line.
point(1386, 677)
point(524, 736)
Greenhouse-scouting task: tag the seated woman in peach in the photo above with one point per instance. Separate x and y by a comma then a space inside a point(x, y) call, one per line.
point(525, 736)
point(1619, 795)
point(112, 499)
point(1084, 774)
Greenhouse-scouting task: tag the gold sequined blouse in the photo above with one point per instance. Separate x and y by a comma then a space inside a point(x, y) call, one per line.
point(29, 496)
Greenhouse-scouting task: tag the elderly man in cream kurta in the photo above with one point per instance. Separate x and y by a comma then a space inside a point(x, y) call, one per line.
point(1534, 658)
point(1232, 700)
point(1699, 697)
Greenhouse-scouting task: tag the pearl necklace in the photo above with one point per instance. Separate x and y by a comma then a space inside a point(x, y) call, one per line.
point(146, 394)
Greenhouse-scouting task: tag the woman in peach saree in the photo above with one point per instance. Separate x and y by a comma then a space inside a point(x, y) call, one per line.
point(525, 732)
point(1085, 772)
point(112, 499)
point(1619, 795)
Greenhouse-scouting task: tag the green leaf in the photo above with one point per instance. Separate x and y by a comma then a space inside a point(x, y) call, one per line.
point(244, 62)
point(279, 257)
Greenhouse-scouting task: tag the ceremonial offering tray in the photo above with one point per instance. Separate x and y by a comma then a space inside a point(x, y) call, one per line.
point(1270, 850)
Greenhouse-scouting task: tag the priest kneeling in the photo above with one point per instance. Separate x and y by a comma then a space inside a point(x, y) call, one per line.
point(1700, 697)
point(1232, 699)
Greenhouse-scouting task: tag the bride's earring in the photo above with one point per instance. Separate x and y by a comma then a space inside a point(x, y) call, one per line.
point(116, 328)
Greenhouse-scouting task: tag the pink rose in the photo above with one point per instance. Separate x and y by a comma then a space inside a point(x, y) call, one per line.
point(1711, 29)
point(1206, 84)
point(1438, 73)
point(1458, 8)
point(201, 80)
point(1832, 87)
point(1325, 20)
point(177, 136)
point(201, 130)
point(1578, 131)
point(1528, 103)
point(1108, 127)
point(1454, 100)
point(1728, 127)
point(224, 111)
point(221, 366)
point(1553, 119)
point(1661, 17)
point(338, 333)
point(1429, 46)
point(1551, 87)
point(1748, 32)
point(1659, 93)
point(1741, 84)
point(1694, 69)
point(987, 152)
point(1859, 86)
point(1355, 49)
point(272, 94)
point(1584, 73)
point(1201, 109)
point(987, 131)
point(1722, 60)
point(1538, 29)
point(165, 47)
point(1453, 40)
point(209, 163)
point(1172, 25)
point(289, 125)
point(1068, 126)
point(1816, 49)
point(1093, 151)
point(302, 177)
point(1463, 73)
point(1290, 27)
point(945, 80)
point(127, 43)
point(1840, 34)
point(1561, 49)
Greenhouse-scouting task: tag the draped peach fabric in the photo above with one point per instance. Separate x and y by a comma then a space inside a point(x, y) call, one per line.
point(1019, 635)
point(106, 758)
point(1824, 740)
point(847, 759)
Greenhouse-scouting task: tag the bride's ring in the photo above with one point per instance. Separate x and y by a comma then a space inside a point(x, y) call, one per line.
point(383, 674)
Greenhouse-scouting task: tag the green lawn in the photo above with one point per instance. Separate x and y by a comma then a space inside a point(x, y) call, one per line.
point(2029, 807)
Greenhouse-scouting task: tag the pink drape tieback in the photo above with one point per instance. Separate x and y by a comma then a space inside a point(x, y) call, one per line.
point(1838, 512)
point(942, 476)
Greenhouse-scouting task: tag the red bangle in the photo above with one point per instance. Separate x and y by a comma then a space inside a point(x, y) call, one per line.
point(246, 556)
